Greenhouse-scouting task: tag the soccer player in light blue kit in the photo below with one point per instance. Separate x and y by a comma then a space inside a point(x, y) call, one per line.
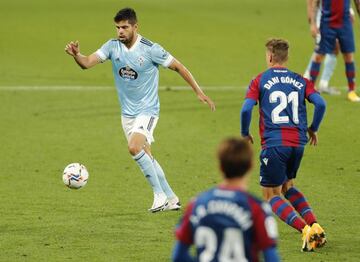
point(135, 62)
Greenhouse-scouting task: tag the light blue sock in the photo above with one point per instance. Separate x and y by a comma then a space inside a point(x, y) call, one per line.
point(329, 67)
point(163, 182)
point(146, 165)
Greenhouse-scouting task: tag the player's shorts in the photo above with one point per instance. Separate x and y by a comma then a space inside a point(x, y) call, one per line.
point(142, 124)
point(279, 164)
point(327, 43)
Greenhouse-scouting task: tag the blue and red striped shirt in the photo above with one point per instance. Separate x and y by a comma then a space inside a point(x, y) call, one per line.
point(281, 94)
point(235, 224)
point(335, 13)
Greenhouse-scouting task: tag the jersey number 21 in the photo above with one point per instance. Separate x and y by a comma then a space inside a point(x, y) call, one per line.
point(292, 98)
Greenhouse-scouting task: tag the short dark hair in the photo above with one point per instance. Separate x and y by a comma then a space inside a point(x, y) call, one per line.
point(124, 14)
point(235, 156)
point(278, 48)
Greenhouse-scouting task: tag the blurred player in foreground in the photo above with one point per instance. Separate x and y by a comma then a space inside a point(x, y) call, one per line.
point(335, 24)
point(135, 62)
point(281, 94)
point(226, 223)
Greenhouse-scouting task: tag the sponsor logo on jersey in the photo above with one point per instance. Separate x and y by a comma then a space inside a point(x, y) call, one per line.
point(128, 73)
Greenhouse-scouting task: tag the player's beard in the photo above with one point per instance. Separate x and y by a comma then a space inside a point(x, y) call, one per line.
point(127, 40)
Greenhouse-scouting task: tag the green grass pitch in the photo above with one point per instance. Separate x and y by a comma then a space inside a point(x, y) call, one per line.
point(42, 131)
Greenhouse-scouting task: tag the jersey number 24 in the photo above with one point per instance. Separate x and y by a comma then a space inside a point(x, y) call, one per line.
point(231, 248)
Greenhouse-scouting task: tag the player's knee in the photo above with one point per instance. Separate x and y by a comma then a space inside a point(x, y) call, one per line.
point(348, 57)
point(319, 58)
point(134, 149)
point(289, 184)
point(268, 195)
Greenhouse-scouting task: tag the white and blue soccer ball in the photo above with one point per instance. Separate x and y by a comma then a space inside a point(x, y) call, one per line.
point(75, 175)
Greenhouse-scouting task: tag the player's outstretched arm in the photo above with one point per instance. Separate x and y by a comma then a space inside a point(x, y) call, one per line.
point(245, 116)
point(85, 62)
point(185, 73)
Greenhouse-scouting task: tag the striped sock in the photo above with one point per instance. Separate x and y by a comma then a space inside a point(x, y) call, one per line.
point(350, 75)
point(298, 201)
point(308, 68)
point(314, 71)
point(286, 213)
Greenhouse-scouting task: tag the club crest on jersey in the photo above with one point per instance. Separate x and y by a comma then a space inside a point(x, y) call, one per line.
point(141, 60)
point(128, 73)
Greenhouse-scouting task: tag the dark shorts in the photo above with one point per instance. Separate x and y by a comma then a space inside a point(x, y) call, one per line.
point(328, 37)
point(279, 164)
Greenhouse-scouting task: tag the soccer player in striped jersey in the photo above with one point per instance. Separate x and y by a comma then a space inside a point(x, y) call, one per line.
point(335, 24)
point(281, 95)
point(226, 223)
point(329, 61)
point(135, 63)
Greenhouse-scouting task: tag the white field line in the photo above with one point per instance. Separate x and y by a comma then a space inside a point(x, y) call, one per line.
point(110, 88)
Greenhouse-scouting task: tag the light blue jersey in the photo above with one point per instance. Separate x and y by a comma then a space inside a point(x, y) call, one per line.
point(136, 74)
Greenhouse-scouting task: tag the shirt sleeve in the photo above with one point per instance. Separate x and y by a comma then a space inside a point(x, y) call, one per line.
point(104, 52)
point(265, 227)
point(309, 89)
point(160, 56)
point(184, 230)
point(320, 106)
point(253, 91)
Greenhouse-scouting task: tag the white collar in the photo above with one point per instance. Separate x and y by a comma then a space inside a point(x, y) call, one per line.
point(134, 45)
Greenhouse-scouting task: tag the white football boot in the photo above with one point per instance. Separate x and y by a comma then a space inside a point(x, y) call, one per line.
point(173, 204)
point(160, 201)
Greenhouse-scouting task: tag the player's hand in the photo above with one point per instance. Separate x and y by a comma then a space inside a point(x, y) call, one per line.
point(312, 137)
point(249, 138)
point(73, 48)
point(314, 30)
point(206, 100)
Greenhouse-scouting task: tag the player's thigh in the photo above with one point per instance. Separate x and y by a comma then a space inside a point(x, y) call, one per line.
point(294, 162)
point(273, 165)
point(346, 39)
point(127, 124)
point(145, 124)
point(327, 42)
